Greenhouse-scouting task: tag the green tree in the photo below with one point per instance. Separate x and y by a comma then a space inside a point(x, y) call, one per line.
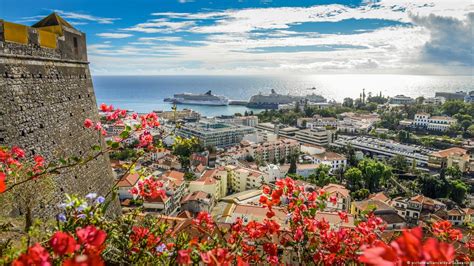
point(183, 148)
point(348, 102)
point(360, 194)
point(454, 172)
point(189, 176)
point(293, 158)
point(354, 178)
point(399, 162)
point(321, 176)
point(470, 130)
point(452, 107)
point(432, 186)
point(403, 136)
point(458, 191)
point(374, 173)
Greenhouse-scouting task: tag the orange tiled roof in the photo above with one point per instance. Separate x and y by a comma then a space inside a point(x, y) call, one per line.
point(129, 180)
point(335, 188)
point(449, 152)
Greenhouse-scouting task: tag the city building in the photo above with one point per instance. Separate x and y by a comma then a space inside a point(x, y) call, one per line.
point(250, 121)
point(242, 179)
point(380, 209)
point(356, 123)
point(469, 98)
point(212, 181)
point(196, 202)
point(125, 184)
point(451, 95)
point(215, 134)
point(385, 148)
point(272, 151)
point(434, 100)
point(318, 121)
point(334, 160)
point(168, 162)
point(184, 114)
point(287, 132)
point(411, 210)
point(315, 136)
point(199, 158)
point(456, 215)
point(175, 188)
point(343, 197)
point(401, 99)
point(435, 123)
point(450, 157)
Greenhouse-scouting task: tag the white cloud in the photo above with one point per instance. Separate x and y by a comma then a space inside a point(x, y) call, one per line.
point(86, 17)
point(231, 42)
point(160, 26)
point(451, 40)
point(111, 35)
point(162, 39)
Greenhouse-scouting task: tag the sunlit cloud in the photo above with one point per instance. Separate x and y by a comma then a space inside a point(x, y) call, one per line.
point(111, 35)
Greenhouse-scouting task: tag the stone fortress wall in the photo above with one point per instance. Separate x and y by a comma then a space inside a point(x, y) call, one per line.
point(46, 93)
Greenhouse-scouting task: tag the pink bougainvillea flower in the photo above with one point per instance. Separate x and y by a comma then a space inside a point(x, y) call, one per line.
point(88, 123)
point(91, 237)
point(19, 153)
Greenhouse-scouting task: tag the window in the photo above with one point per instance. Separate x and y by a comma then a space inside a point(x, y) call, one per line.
point(76, 50)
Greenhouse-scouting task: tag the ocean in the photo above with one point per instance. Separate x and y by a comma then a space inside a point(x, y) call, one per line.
point(146, 93)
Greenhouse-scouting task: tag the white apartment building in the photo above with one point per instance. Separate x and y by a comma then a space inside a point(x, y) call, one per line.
point(357, 123)
point(401, 99)
point(271, 151)
point(215, 134)
point(250, 121)
point(434, 123)
point(434, 100)
point(319, 121)
point(332, 159)
point(315, 136)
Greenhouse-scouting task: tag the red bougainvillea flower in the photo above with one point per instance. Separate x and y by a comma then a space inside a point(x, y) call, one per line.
point(184, 256)
point(3, 186)
point(91, 237)
point(409, 248)
point(343, 216)
point(88, 123)
point(39, 160)
point(106, 108)
point(84, 260)
point(149, 188)
point(4, 155)
point(204, 219)
point(444, 231)
point(19, 153)
point(435, 251)
point(138, 233)
point(36, 255)
point(380, 254)
point(62, 243)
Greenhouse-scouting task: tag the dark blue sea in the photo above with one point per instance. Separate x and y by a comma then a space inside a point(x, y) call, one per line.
point(146, 93)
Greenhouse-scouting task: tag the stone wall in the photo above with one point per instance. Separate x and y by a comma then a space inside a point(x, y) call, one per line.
point(45, 96)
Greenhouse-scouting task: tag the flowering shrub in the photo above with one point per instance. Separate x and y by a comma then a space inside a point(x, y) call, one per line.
point(83, 235)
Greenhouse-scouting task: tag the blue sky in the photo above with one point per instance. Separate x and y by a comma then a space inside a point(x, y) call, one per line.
point(146, 37)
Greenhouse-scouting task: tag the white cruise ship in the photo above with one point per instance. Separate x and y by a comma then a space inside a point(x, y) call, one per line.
point(199, 99)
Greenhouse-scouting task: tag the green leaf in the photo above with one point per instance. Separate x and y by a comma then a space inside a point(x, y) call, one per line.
point(115, 145)
point(124, 134)
point(96, 148)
